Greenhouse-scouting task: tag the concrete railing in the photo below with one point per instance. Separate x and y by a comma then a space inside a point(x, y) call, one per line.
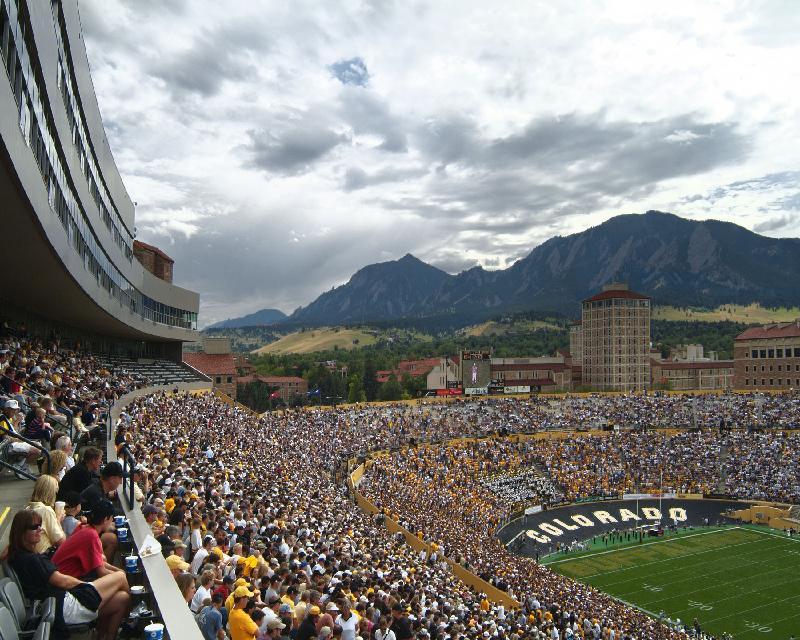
point(176, 616)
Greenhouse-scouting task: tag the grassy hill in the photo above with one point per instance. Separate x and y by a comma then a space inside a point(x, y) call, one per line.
point(748, 314)
point(323, 339)
point(501, 328)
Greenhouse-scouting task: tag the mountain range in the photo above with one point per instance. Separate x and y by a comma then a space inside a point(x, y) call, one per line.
point(261, 318)
point(676, 261)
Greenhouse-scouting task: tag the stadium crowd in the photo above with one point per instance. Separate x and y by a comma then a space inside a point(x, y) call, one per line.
point(275, 494)
point(264, 540)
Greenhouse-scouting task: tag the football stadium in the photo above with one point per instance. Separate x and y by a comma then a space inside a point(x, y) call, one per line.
point(138, 502)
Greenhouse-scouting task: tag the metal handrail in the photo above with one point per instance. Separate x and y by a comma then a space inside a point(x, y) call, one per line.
point(66, 425)
point(10, 431)
point(128, 465)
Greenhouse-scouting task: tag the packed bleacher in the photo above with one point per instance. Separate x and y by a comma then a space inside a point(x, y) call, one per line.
point(276, 485)
point(264, 540)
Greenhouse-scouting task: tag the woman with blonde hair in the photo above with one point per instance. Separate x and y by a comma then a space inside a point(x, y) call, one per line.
point(57, 465)
point(43, 502)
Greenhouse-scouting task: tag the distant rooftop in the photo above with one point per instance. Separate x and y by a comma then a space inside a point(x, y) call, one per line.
point(775, 330)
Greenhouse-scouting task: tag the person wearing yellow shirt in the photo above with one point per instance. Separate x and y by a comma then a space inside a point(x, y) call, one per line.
point(240, 582)
point(288, 598)
point(169, 504)
point(241, 625)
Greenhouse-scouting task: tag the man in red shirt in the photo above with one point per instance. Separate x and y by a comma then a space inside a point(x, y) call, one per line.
point(81, 555)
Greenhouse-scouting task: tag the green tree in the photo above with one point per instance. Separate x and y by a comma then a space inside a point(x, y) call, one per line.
point(391, 389)
point(414, 386)
point(355, 392)
point(369, 380)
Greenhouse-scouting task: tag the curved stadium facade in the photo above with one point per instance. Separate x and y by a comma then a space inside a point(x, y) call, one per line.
point(67, 219)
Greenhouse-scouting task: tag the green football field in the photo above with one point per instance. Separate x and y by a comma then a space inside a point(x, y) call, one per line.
point(741, 580)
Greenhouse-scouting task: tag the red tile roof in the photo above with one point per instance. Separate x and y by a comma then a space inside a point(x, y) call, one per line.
point(280, 379)
point(217, 364)
point(617, 293)
point(138, 244)
point(778, 330)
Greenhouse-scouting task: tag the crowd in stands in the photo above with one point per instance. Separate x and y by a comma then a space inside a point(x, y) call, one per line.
point(266, 515)
point(264, 541)
point(524, 487)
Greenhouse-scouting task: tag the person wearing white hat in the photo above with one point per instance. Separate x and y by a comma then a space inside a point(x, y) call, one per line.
point(10, 419)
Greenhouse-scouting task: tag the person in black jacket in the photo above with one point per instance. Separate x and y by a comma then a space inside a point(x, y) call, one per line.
point(82, 474)
point(400, 623)
point(308, 627)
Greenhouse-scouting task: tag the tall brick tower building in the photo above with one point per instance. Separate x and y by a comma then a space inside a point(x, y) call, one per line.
point(615, 332)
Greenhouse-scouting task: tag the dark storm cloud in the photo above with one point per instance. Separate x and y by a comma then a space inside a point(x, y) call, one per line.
point(451, 138)
point(368, 113)
point(555, 166)
point(352, 71)
point(450, 260)
point(356, 178)
point(774, 223)
point(214, 57)
point(270, 268)
point(291, 151)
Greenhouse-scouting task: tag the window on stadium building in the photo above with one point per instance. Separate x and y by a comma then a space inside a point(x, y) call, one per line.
point(35, 122)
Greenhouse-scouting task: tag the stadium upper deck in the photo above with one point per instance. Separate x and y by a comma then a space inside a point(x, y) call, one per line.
point(65, 207)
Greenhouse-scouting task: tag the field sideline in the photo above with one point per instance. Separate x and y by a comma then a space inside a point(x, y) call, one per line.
point(740, 580)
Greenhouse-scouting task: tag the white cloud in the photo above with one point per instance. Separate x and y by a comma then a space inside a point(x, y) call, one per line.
point(275, 149)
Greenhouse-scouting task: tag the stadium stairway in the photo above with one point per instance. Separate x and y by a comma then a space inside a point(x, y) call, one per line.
point(722, 461)
point(156, 372)
point(14, 495)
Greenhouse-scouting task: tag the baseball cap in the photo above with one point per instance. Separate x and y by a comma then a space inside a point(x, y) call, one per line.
point(113, 469)
point(149, 509)
point(314, 611)
point(241, 592)
point(331, 606)
point(275, 624)
point(11, 404)
point(241, 582)
point(176, 562)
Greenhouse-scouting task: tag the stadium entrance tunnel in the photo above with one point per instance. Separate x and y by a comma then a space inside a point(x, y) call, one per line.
point(540, 532)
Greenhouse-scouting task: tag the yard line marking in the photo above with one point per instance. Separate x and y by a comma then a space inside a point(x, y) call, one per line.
point(726, 585)
point(775, 535)
point(646, 544)
point(646, 564)
point(761, 606)
point(5, 513)
point(682, 568)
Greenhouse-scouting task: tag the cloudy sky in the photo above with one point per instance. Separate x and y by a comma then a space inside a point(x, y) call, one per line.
point(275, 148)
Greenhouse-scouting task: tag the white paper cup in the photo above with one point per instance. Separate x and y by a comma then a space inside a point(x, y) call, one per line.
point(59, 507)
point(154, 631)
point(122, 533)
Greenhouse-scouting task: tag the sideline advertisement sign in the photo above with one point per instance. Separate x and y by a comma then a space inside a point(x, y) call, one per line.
point(476, 391)
point(518, 389)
